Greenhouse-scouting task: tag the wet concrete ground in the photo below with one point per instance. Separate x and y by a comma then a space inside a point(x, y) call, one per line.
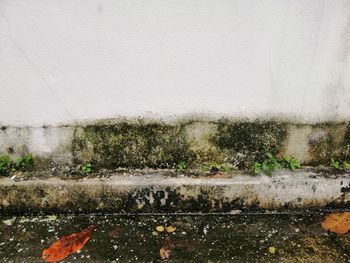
point(198, 238)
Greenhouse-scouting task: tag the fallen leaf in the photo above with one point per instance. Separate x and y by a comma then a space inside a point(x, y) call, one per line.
point(164, 253)
point(160, 228)
point(272, 250)
point(337, 222)
point(165, 250)
point(185, 245)
point(170, 229)
point(114, 233)
point(67, 245)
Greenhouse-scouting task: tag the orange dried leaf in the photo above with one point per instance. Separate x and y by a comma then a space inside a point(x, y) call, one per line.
point(337, 222)
point(67, 245)
point(164, 253)
point(165, 250)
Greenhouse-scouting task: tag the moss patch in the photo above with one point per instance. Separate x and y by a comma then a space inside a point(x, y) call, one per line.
point(328, 140)
point(135, 145)
point(199, 143)
point(346, 143)
point(246, 142)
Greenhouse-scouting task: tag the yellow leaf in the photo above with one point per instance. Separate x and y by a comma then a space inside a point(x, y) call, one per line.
point(160, 228)
point(272, 250)
point(170, 229)
point(337, 222)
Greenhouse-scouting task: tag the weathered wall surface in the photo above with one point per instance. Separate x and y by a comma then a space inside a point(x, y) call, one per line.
point(62, 61)
point(278, 71)
point(142, 144)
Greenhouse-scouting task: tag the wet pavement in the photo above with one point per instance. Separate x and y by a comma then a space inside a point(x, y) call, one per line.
point(197, 238)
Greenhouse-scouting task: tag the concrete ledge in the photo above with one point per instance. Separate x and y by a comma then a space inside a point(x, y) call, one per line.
point(158, 194)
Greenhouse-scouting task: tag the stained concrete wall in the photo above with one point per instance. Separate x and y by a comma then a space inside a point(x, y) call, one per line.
point(142, 144)
point(62, 61)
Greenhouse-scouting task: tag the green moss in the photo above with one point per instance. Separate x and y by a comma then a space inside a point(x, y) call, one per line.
point(140, 144)
point(157, 145)
point(134, 145)
point(328, 140)
point(247, 142)
point(346, 143)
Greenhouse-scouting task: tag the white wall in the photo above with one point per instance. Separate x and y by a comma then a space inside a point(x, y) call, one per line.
point(66, 60)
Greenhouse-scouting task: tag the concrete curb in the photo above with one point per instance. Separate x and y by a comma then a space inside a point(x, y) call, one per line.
point(158, 194)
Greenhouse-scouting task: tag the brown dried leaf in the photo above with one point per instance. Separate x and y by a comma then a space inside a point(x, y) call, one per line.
point(337, 222)
point(164, 253)
point(165, 250)
point(67, 245)
point(185, 245)
point(114, 233)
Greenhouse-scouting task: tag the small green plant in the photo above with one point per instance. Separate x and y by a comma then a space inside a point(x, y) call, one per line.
point(5, 164)
point(22, 163)
point(269, 165)
point(215, 167)
point(346, 165)
point(339, 165)
point(256, 168)
point(87, 168)
point(335, 164)
point(290, 163)
point(181, 167)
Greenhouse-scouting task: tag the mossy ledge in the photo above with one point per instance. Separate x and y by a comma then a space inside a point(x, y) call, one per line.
point(135, 145)
point(155, 144)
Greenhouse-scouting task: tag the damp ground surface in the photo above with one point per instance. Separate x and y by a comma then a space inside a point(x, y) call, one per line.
point(197, 238)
